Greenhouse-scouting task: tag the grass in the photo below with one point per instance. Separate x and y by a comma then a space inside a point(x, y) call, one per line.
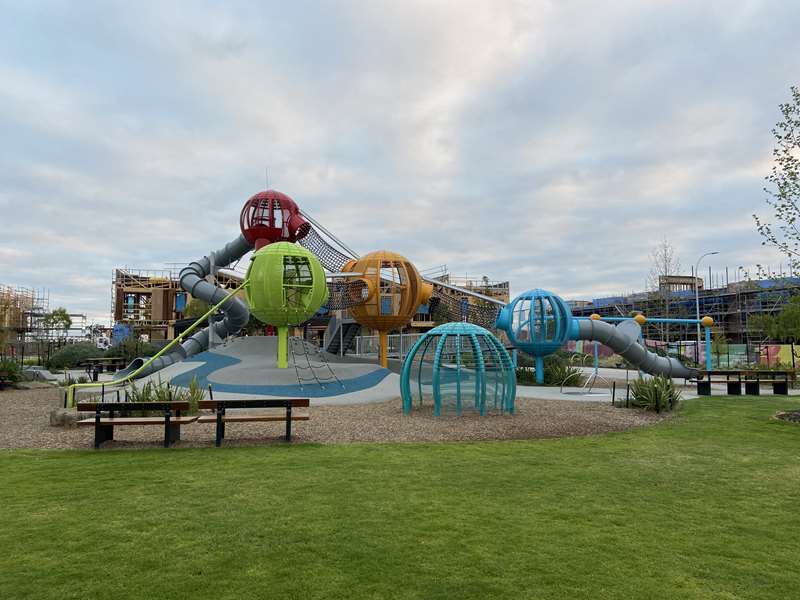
point(705, 506)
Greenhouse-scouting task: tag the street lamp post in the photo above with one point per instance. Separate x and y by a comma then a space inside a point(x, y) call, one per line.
point(697, 294)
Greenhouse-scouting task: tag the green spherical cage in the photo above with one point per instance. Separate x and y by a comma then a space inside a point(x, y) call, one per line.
point(286, 284)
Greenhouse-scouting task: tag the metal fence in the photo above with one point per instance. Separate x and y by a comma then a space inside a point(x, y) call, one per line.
point(399, 344)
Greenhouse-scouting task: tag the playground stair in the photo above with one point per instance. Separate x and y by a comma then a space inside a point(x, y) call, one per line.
point(349, 330)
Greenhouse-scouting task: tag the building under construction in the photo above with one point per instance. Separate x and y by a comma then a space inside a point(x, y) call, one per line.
point(151, 302)
point(733, 306)
point(23, 322)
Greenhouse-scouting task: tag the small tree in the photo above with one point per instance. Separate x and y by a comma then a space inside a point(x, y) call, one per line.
point(664, 263)
point(783, 189)
point(783, 326)
point(59, 320)
point(195, 308)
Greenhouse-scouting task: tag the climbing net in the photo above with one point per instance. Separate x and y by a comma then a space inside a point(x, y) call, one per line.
point(330, 257)
point(344, 294)
point(446, 307)
point(308, 372)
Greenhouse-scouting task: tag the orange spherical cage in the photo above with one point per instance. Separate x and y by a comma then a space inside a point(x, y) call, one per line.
point(394, 290)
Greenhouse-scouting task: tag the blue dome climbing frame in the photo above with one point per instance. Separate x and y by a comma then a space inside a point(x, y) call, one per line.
point(458, 367)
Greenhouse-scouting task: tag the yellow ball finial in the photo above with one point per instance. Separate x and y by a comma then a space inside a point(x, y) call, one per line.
point(595, 317)
point(640, 319)
point(706, 321)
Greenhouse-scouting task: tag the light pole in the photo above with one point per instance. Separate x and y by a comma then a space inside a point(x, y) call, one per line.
point(697, 293)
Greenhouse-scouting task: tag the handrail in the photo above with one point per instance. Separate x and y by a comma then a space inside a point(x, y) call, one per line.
point(71, 389)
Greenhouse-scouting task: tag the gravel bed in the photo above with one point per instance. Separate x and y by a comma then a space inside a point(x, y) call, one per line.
point(24, 423)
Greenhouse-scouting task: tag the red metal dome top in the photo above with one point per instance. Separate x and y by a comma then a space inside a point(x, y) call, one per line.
point(271, 216)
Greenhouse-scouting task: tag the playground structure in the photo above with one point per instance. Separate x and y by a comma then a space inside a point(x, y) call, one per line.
point(285, 285)
point(393, 292)
point(459, 367)
point(539, 323)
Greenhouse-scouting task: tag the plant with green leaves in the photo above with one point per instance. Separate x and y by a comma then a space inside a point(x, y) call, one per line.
point(71, 355)
point(131, 348)
point(161, 391)
point(59, 320)
point(655, 393)
point(557, 371)
point(10, 371)
point(783, 190)
point(783, 326)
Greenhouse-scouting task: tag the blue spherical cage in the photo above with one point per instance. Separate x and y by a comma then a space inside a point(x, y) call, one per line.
point(537, 322)
point(457, 368)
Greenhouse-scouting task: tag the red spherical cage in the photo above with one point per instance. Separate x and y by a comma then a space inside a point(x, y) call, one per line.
point(271, 216)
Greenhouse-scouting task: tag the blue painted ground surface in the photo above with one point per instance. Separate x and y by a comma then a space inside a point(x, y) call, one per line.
point(210, 362)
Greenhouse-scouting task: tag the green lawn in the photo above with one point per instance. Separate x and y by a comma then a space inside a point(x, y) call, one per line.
point(707, 506)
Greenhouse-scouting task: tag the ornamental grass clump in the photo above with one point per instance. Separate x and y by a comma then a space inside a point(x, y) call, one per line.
point(656, 393)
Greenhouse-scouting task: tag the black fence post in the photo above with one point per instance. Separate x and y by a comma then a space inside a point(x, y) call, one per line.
point(613, 391)
point(627, 395)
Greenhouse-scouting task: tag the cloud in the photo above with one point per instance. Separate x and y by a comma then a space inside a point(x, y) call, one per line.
point(552, 144)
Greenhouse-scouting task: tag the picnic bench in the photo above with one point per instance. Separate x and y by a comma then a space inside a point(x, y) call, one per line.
point(116, 416)
point(751, 378)
point(281, 410)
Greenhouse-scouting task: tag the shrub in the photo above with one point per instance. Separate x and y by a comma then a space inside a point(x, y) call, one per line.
point(526, 376)
point(656, 393)
point(194, 395)
point(151, 391)
point(10, 371)
point(557, 371)
point(130, 349)
point(71, 355)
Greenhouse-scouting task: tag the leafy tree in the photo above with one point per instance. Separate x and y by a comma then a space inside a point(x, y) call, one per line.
point(783, 189)
point(58, 319)
point(195, 308)
point(783, 326)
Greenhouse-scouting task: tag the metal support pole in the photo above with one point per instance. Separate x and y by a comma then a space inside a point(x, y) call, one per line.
point(708, 348)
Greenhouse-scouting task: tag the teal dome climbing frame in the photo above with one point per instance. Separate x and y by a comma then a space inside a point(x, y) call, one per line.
point(457, 368)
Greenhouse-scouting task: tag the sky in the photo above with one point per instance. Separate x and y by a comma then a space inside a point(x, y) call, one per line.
point(552, 144)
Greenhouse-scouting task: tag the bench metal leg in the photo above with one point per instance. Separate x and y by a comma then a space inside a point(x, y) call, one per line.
point(734, 388)
point(751, 388)
point(703, 388)
point(174, 433)
point(780, 388)
point(167, 428)
point(220, 429)
point(102, 433)
point(288, 422)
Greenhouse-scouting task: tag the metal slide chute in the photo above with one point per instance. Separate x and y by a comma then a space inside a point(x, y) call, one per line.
point(192, 280)
point(624, 340)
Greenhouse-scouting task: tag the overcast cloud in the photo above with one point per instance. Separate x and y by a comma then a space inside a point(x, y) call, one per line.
point(549, 143)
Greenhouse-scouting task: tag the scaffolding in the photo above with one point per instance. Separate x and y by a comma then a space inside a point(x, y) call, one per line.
point(733, 308)
point(22, 313)
point(147, 300)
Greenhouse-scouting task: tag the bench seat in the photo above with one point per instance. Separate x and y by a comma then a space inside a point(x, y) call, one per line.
point(271, 410)
point(137, 421)
point(228, 418)
point(104, 423)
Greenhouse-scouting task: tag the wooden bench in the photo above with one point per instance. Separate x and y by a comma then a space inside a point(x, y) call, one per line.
point(751, 378)
point(283, 411)
point(104, 425)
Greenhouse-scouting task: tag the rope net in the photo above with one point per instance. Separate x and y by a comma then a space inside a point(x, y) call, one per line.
point(311, 373)
point(446, 307)
point(344, 294)
point(330, 257)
